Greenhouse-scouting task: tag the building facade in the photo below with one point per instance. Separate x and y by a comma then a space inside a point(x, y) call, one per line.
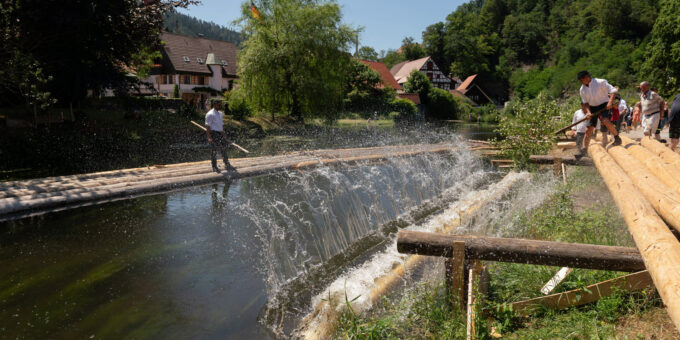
point(424, 65)
point(201, 68)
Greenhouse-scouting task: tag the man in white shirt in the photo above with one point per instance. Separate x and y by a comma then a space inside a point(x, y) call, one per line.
point(651, 105)
point(580, 130)
point(214, 127)
point(623, 112)
point(597, 95)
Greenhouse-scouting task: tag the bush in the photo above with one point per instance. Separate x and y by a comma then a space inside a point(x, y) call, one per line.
point(441, 104)
point(530, 131)
point(238, 103)
point(405, 108)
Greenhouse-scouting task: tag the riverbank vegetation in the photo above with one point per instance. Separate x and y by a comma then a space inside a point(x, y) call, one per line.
point(581, 211)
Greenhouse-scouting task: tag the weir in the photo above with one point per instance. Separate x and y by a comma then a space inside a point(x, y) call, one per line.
point(20, 199)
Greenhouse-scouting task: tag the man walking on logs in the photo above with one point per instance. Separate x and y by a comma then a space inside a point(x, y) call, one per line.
point(651, 105)
point(597, 95)
point(217, 138)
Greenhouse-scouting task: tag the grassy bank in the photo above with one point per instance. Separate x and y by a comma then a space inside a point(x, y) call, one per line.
point(581, 211)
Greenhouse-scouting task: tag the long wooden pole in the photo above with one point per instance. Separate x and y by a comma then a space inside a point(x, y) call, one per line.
point(664, 171)
point(232, 143)
point(662, 151)
point(665, 200)
point(659, 248)
point(575, 255)
point(596, 114)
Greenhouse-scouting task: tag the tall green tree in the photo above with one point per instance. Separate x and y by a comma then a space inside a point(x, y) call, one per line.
point(69, 47)
point(294, 59)
point(368, 53)
point(434, 40)
point(418, 82)
point(392, 57)
point(663, 52)
point(411, 49)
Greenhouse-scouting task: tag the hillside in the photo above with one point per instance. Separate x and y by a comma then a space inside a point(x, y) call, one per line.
point(536, 45)
point(187, 25)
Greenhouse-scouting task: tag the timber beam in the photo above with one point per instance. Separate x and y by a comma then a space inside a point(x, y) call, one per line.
point(573, 255)
point(570, 160)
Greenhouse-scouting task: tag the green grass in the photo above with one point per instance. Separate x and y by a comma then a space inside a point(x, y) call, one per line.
point(424, 313)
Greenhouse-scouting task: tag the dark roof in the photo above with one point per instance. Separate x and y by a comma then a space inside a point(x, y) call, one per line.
point(388, 79)
point(176, 47)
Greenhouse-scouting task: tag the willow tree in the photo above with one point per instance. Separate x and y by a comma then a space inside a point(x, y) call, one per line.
point(294, 59)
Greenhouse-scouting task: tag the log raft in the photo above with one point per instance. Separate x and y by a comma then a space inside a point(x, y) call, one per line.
point(25, 198)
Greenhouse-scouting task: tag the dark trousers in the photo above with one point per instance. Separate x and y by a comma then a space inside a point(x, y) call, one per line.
point(221, 144)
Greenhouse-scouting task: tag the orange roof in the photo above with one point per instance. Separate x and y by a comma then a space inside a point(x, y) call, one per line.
point(464, 86)
point(387, 78)
point(414, 97)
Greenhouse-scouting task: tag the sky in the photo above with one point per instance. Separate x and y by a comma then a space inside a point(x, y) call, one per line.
point(386, 22)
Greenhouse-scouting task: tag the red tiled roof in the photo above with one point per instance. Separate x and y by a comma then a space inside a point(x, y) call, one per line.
point(388, 79)
point(463, 88)
point(176, 47)
point(414, 97)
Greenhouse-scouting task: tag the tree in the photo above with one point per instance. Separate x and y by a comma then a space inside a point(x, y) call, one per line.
point(434, 41)
point(50, 35)
point(392, 57)
point(175, 91)
point(441, 104)
point(418, 83)
point(412, 50)
point(294, 58)
point(663, 51)
point(368, 53)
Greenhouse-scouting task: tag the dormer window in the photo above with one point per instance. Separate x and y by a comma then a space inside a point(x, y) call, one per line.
point(186, 59)
point(224, 62)
point(199, 60)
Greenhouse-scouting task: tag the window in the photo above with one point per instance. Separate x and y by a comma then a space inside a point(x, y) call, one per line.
point(199, 60)
point(429, 65)
point(186, 79)
point(167, 79)
point(186, 59)
point(224, 62)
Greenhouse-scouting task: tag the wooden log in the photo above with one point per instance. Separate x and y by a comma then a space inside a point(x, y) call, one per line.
point(569, 160)
point(566, 145)
point(665, 200)
point(575, 255)
point(659, 248)
point(662, 151)
point(659, 167)
point(592, 293)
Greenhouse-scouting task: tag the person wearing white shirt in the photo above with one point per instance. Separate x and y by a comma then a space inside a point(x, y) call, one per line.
point(580, 129)
point(597, 95)
point(214, 127)
point(623, 111)
point(650, 105)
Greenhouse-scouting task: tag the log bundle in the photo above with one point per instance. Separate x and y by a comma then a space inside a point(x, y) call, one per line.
point(29, 197)
point(659, 248)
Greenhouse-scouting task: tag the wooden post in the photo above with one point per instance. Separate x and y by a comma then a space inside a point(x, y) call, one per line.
point(658, 246)
point(564, 174)
point(458, 274)
point(473, 276)
point(557, 166)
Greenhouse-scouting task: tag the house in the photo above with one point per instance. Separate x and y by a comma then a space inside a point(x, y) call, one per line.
point(387, 78)
point(201, 68)
point(482, 92)
point(425, 65)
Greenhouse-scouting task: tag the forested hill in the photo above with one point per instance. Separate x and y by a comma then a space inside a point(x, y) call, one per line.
point(535, 45)
point(187, 25)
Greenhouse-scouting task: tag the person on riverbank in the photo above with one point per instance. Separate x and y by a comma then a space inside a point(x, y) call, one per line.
point(650, 106)
point(597, 95)
point(674, 122)
point(217, 138)
point(580, 130)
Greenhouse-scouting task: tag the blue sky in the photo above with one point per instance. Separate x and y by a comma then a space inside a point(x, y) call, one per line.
point(385, 22)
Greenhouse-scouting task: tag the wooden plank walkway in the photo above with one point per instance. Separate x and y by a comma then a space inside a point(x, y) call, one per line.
point(20, 199)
